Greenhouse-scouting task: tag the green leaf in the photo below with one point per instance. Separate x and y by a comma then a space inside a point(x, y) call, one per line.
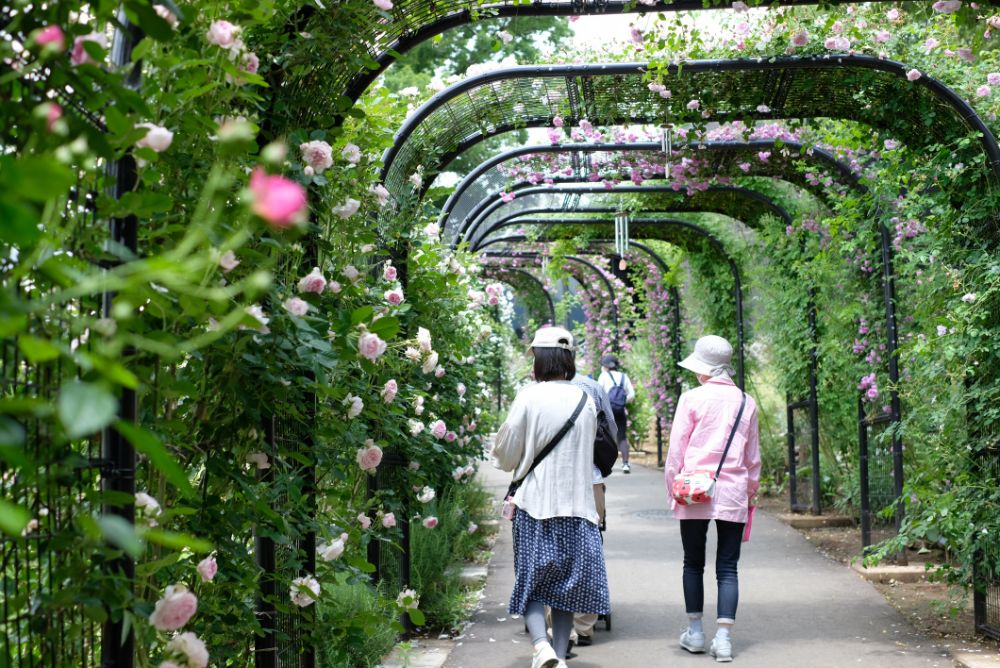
point(20, 224)
point(121, 533)
point(147, 19)
point(36, 349)
point(12, 434)
point(13, 518)
point(149, 445)
point(12, 324)
point(113, 371)
point(178, 541)
point(387, 328)
point(85, 408)
point(416, 617)
point(35, 178)
point(362, 314)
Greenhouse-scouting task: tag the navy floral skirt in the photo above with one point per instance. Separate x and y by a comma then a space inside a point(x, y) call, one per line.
point(559, 562)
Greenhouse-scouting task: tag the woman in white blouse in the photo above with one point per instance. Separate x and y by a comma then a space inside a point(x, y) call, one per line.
point(558, 556)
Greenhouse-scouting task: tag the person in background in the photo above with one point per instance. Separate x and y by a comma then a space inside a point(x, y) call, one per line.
point(558, 555)
point(620, 392)
point(583, 623)
point(703, 421)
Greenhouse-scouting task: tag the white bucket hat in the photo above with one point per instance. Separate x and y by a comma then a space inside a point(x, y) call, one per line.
point(553, 337)
point(711, 357)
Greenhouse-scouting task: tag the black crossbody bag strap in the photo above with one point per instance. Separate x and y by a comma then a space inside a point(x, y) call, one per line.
point(736, 425)
point(551, 445)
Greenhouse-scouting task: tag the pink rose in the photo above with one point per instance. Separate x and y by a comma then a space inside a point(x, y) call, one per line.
point(222, 34)
point(313, 282)
point(347, 208)
point(507, 197)
point(79, 55)
point(394, 297)
point(258, 459)
point(384, 5)
point(317, 154)
point(296, 306)
point(450, 436)
point(389, 390)
point(913, 75)
point(693, 104)
point(557, 121)
point(473, 527)
point(364, 521)
point(983, 91)
point(351, 153)
point(892, 14)
point(334, 287)
point(947, 6)
point(279, 201)
point(251, 63)
point(157, 137)
point(993, 79)
point(370, 346)
point(439, 372)
point(438, 429)
point(381, 193)
point(460, 388)
point(388, 520)
point(369, 457)
point(207, 568)
point(51, 37)
point(174, 610)
point(430, 522)
point(882, 36)
point(389, 273)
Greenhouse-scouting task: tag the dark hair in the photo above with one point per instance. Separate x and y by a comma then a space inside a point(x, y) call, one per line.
point(610, 361)
point(554, 364)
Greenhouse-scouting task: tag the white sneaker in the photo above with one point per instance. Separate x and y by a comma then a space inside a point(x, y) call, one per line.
point(693, 642)
point(545, 657)
point(721, 649)
point(626, 468)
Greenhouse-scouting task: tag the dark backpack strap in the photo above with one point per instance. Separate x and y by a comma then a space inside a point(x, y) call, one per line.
point(551, 444)
point(736, 425)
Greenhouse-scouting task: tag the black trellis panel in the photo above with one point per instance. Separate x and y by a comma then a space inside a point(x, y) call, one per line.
point(986, 576)
point(803, 458)
point(287, 641)
point(392, 566)
point(881, 479)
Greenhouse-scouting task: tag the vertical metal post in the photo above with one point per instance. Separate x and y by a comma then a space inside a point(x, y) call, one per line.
point(675, 297)
point(308, 545)
point(792, 459)
point(266, 646)
point(889, 295)
point(659, 441)
point(866, 509)
point(814, 402)
point(738, 294)
point(117, 639)
point(404, 567)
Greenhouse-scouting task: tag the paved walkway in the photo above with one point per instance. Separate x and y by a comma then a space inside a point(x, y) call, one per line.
point(798, 609)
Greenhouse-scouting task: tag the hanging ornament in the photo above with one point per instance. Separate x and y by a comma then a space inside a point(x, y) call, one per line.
point(621, 237)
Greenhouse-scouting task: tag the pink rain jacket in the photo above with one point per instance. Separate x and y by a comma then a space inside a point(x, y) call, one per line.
point(702, 423)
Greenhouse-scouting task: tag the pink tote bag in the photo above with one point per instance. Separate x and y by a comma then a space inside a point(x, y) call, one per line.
point(746, 527)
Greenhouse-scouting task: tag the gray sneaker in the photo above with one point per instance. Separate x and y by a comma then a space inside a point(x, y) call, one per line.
point(693, 642)
point(626, 468)
point(721, 649)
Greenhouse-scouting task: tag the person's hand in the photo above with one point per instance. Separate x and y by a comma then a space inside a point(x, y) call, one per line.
point(753, 500)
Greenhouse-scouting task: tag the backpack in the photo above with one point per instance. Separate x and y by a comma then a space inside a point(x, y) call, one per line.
point(617, 394)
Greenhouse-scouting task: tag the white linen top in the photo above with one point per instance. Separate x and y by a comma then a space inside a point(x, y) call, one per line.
point(561, 485)
point(609, 379)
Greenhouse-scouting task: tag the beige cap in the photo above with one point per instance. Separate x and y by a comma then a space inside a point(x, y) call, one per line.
point(553, 337)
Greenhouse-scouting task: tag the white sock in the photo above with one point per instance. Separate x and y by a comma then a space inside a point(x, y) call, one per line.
point(723, 632)
point(694, 625)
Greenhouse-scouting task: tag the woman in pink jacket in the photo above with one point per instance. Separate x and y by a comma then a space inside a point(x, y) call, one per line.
point(704, 419)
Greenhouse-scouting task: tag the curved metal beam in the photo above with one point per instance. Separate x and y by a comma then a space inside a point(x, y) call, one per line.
point(492, 204)
point(821, 156)
point(597, 270)
point(541, 286)
point(713, 241)
point(785, 63)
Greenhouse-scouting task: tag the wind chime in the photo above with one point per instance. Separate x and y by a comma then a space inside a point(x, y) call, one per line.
point(621, 237)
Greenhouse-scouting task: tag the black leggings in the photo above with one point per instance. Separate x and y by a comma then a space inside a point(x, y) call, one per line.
point(621, 420)
point(693, 536)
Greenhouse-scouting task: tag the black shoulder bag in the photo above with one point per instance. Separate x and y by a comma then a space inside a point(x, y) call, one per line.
point(515, 484)
point(605, 445)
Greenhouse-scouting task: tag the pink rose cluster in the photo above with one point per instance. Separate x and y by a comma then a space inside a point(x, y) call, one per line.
point(279, 201)
point(869, 386)
point(439, 429)
point(314, 282)
point(175, 609)
point(389, 390)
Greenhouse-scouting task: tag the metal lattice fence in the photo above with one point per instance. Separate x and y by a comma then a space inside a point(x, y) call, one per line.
point(881, 460)
point(803, 457)
point(986, 598)
point(286, 642)
point(392, 566)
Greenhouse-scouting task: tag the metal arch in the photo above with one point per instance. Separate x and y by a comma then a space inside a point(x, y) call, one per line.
point(947, 95)
point(468, 230)
point(534, 279)
point(697, 229)
point(593, 267)
point(361, 81)
point(823, 157)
